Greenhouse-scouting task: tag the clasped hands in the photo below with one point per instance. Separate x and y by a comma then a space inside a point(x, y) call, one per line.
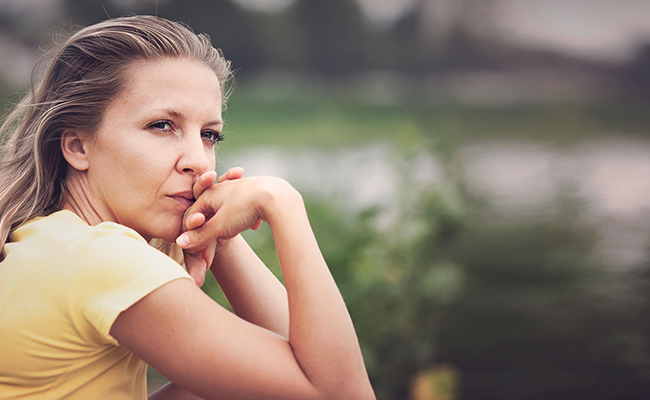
point(221, 211)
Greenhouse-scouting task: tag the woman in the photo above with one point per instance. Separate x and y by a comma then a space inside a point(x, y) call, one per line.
point(112, 149)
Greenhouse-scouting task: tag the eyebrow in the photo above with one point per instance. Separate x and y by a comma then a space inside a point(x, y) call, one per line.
point(180, 115)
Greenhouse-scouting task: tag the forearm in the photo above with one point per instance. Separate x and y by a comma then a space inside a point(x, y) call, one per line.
point(321, 358)
point(254, 293)
point(320, 326)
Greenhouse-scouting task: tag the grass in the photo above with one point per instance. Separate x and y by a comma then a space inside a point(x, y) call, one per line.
point(327, 119)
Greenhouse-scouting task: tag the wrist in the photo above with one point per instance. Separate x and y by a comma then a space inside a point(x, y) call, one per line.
point(277, 200)
point(223, 252)
point(223, 245)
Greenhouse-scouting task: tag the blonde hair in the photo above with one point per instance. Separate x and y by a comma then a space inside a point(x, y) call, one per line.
point(79, 80)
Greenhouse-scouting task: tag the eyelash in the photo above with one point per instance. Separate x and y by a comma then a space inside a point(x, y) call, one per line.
point(215, 137)
point(161, 122)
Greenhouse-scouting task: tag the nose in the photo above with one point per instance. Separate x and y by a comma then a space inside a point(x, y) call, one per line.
point(195, 157)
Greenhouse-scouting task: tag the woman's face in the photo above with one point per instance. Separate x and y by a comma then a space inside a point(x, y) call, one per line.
point(155, 139)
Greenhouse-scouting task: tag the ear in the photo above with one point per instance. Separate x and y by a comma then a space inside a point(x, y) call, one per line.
point(73, 147)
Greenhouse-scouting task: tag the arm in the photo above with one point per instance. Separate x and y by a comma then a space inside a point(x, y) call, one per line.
point(254, 293)
point(320, 326)
point(216, 354)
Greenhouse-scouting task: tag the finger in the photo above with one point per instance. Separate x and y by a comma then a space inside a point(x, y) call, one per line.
point(200, 237)
point(197, 263)
point(257, 225)
point(206, 205)
point(193, 239)
point(203, 204)
point(193, 221)
point(204, 181)
point(231, 174)
point(197, 268)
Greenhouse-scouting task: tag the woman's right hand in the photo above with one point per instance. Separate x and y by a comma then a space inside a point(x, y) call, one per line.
point(233, 206)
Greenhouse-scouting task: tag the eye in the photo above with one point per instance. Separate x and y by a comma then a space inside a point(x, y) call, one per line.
point(161, 126)
point(212, 137)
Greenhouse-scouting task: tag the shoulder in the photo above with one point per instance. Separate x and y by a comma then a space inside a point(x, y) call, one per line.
point(94, 272)
point(111, 244)
point(66, 232)
point(79, 252)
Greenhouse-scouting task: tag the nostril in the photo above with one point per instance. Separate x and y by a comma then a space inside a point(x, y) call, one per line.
point(193, 159)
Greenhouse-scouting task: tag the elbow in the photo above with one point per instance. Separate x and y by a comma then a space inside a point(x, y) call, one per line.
point(365, 393)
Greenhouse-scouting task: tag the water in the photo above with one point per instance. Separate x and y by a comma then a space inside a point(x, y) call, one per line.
point(520, 179)
point(358, 177)
point(611, 178)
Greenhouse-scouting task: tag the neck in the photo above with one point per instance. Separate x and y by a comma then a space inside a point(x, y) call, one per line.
point(79, 201)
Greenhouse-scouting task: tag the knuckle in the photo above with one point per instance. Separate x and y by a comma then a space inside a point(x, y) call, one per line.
point(199, 235)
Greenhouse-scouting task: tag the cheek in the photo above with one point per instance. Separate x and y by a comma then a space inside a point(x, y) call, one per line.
point(144, 158)
point(128, 173)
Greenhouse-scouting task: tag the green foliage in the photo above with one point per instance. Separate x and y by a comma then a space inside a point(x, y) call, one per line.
point(275, 115)
point(540, 317)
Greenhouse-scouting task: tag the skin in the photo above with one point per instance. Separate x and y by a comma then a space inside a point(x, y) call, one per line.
point(293, 343)
point(148, 152)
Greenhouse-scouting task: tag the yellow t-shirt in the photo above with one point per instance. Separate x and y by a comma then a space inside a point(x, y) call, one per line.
point(62, 285)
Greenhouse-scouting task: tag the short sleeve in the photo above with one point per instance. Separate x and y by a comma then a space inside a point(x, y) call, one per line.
point(115, 268)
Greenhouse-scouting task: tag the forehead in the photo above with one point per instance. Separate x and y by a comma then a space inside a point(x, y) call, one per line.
point(186, 86)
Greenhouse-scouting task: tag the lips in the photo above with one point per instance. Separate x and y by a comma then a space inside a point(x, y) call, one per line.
point(185, 198)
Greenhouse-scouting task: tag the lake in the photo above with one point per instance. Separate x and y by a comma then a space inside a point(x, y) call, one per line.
point(521, 180)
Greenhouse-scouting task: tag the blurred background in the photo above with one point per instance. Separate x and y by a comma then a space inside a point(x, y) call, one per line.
point(477, 173)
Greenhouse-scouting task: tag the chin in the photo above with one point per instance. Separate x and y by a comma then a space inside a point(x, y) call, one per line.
point(166, 230)
point(169, 236)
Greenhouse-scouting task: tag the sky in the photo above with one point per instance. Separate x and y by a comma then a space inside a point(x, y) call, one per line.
point(603, 29)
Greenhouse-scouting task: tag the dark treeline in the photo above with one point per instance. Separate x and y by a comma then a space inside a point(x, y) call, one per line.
point(326, 37)
point(329, 37)
point(335, 39)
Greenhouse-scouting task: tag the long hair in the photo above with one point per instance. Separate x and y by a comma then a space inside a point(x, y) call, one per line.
point(72, 86)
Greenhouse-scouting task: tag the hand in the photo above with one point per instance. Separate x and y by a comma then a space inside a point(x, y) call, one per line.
point(199, 259)
point(231, 207)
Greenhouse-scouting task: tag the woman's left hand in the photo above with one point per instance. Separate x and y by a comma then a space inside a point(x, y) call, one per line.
point(198, 260)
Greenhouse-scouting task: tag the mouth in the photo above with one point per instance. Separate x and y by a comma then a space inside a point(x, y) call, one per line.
point(186, 199)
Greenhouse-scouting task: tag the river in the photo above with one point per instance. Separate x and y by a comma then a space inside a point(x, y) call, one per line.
point(520, 179)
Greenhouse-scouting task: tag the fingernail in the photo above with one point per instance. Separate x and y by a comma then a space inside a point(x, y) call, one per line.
point(183, 240)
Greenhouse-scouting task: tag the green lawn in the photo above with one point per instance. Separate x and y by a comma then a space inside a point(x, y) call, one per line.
point(330, 119)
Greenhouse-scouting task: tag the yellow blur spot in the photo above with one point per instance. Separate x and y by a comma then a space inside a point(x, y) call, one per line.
point(440, 382)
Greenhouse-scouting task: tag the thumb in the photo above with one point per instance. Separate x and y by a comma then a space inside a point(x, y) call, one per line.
point(195, 238)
